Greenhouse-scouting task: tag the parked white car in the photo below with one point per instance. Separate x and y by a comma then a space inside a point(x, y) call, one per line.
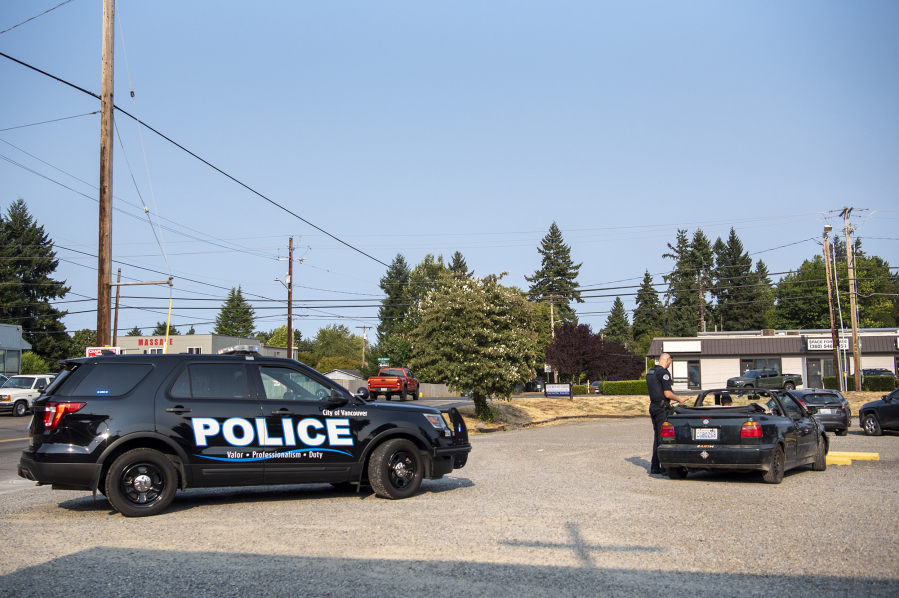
point(18, 392)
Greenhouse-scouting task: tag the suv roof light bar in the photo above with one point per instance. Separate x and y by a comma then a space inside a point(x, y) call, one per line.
point(240, 350)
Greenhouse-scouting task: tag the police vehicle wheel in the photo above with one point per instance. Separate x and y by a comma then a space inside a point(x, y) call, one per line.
point(395, 469)
point(676, 473)
point(20, 409)
point(776, 474)
point(820, 463)
point(871, 426)
point(141, 482)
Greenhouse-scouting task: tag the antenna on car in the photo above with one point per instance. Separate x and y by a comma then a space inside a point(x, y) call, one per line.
point(240, 350)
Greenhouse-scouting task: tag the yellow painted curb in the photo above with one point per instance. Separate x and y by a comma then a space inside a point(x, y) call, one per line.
point(856, 456)
point(831, 460)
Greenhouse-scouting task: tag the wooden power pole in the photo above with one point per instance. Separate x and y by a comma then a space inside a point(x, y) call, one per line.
point(833, 326)
point(104, 246)
point(853, 299)
point(290, 299)
point(364, 338)
point(115, 321)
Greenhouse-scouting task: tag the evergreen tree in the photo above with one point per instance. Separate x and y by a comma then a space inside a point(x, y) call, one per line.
point(458, 266)
point(682, 296)
point(191, 331)
point(557, 277)
point(236, 317)
point(134, 332)
point(735, 287)
point(763, 306)
point(160, 330)
point(649, 314)
point(27, 262)
point(702, 261)
point(617, 327)
point(393, 308)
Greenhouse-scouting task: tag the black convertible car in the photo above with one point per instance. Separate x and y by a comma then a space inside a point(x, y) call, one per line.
point(743, 431)
point(877, 416)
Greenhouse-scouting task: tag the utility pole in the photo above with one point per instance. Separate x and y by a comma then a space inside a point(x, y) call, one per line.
point(833, 325)
point(115, 324)
point(290, 299)
point(853, 298)
point(701, 303)
point(552, 328)
point(104, 246)
point(364, 337)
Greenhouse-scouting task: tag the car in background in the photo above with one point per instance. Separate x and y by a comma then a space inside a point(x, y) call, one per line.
point(877, 416)
point(3, 379)
point(535, 385)
point(767, 378)
point(18, 392)
point(833, 408)
point(878, 372)
point(595, 387)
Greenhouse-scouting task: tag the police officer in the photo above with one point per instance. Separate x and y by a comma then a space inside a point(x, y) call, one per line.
point(658, 380)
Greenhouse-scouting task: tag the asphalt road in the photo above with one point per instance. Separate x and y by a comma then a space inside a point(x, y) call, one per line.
point(13, 438)
point(567, 510)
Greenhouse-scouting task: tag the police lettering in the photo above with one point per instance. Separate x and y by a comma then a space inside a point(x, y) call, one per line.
point(238, 431)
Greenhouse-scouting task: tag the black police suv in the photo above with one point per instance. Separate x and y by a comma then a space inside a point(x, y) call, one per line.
point(138, 427)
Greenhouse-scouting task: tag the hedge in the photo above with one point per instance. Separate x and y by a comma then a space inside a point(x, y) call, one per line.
point(625, 387)
point(870, 383)
point(579, 389)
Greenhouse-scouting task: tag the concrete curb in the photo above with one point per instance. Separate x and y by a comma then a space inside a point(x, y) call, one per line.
point(510, 427)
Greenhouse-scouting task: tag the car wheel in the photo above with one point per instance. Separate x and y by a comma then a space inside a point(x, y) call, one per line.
point(776, 474)
point(20, 409)
point(820, 463)
point(842, 432)
point(141, 482)
point(395, 469)
point(676, 473)
point(387, 397)
point(403, 394)
point(871, 426)
point(789, 386)
point(417, 394)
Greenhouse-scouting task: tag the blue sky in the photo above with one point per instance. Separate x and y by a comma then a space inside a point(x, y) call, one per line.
point(434, 127)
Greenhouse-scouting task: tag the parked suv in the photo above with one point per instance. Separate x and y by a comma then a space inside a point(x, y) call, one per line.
point(138, 427)
point(18, 392)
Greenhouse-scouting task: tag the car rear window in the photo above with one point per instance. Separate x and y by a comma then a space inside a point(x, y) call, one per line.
point(212, 380)
point(393, 373)
point(821, 399)
point(112, 379)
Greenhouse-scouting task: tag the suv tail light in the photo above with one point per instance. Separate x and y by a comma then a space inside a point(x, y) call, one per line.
point(751, 430)
point(667, 430)
point(53, 412)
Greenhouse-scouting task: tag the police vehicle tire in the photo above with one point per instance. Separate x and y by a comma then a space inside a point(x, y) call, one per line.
point(820, 463)
point(676, 473)
point(871, 426)
point(395, 469)
point(20, 409)
point(775, 475)
point(141, 482)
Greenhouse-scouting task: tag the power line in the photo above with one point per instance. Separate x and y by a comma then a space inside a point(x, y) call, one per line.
point(35, 16)
point(43, 122)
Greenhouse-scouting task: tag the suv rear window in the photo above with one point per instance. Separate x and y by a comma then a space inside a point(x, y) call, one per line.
point(112, 379)
point(821, 398)
point(212, 380)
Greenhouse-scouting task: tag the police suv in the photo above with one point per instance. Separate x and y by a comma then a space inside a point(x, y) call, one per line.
point(138, 427)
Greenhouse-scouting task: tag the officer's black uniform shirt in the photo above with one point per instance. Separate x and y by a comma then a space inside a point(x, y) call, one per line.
point(658, 380)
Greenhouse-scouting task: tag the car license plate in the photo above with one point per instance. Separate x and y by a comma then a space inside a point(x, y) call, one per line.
point(383, 389)
point(827, 411)
point(705, 434)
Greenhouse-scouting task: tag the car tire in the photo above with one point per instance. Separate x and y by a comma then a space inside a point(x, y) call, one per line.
point(676, 473)
point(789, 386)
point(775, 475)
point(843, 432)
point(871, 426)
point(820, 463)
point(748, 386)
point(417, 394)
point(20, 409)
point(387, 397)
point(141, 482)
point(395, 469)
point(403, 394)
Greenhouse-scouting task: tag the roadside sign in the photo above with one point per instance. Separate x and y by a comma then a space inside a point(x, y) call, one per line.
point(98, 351)
point(558, 390)
point(547, 369)
point(383, 361)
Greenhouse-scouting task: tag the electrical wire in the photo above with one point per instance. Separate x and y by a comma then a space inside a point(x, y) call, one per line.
point(43, 122)
point(35, 16)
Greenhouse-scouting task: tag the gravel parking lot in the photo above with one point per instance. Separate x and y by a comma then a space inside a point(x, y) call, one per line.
point(564, 510)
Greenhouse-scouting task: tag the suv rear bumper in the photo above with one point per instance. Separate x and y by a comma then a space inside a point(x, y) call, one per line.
point(79, 475)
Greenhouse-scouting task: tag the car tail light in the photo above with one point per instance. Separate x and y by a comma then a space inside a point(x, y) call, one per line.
point(667, 430)
point(751, 430)
point(53, 412)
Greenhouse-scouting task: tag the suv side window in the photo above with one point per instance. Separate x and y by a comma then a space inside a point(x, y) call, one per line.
point(290, 385)
point(212, 380)
point(112, 379)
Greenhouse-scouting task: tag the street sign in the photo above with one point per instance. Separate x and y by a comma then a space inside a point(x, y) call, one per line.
point(98, 351)
point(547, 368)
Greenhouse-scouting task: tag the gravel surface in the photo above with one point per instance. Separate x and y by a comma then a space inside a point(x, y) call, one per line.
point(567, 510)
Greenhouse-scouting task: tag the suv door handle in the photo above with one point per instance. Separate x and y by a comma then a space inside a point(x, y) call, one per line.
point(178, 409)
point(282, 412)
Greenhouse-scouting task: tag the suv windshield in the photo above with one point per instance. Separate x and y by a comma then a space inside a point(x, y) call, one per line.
point(18, 382)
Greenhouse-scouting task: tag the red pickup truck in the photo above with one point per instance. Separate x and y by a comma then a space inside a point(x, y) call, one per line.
point(392, 382)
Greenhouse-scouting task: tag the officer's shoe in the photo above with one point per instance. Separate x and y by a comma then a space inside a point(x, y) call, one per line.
point(657, 470)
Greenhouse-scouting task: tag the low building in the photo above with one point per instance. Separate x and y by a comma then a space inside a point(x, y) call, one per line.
point(193, 343)
point(11, 347)
point(352, 380)
point(709, 359)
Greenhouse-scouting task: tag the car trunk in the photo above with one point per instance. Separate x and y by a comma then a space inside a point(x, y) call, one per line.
point(716, 426)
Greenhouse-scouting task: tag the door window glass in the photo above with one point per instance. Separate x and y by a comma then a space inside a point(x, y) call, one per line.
point(112, 379)
point(212, 380)
point(693, 375)
point(290, 385)
point(792, 407)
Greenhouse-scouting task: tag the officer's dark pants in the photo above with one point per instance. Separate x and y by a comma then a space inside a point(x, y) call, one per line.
point(658, 416)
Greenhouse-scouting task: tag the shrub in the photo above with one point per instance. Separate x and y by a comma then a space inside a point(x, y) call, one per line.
point(870, 383)
point(34, 364)
point(625, 387)
point(579, 389)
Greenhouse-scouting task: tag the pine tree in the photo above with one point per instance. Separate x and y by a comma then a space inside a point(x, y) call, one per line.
point(617, 327)
point(160, 330)
point(458, 266)
point(393, 309)
point(191, 331)
point(236, 317)
point(702, 261)
point(134, 332)
point(26, 287)
point(557, 277)
point(649, 314)
point(763, 306)
point(682, 296)
point(734, 288)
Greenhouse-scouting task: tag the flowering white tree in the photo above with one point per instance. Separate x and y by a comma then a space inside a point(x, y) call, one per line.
point(475, 334)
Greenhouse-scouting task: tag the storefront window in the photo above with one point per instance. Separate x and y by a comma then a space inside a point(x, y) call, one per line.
point(12, 362)
point(694, 375)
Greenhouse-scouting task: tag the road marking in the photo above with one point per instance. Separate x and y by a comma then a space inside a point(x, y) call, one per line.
point(856, 456)
point(13, 439)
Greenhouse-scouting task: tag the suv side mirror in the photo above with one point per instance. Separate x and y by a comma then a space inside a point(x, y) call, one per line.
point(337, 398)
point(362, 393)
point(40, 388)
